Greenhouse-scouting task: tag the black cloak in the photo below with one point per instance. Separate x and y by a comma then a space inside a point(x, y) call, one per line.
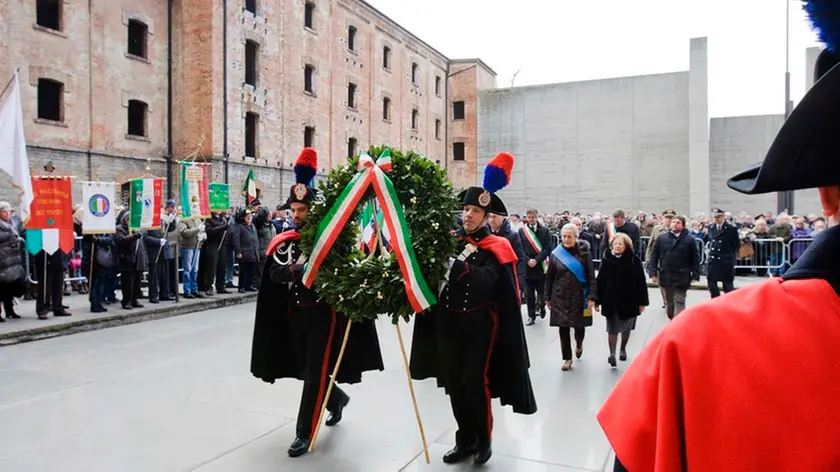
point(508, 376)
point(272, 354)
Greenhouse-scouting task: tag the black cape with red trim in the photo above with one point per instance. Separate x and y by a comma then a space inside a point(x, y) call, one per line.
point(272, 354)
point(508, 376)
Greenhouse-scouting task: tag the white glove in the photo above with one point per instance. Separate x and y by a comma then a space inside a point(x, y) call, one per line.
point(162, 241)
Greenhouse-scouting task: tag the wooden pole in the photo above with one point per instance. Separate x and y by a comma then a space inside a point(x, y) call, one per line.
point(413, 396)
point(332, 382)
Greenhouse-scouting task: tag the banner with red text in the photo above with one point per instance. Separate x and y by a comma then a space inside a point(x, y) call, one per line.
point(50, 225)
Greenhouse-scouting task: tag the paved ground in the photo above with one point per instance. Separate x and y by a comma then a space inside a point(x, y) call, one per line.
point(176, 395)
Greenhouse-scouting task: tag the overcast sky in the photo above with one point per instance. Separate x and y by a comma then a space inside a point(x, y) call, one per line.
point(568, 40)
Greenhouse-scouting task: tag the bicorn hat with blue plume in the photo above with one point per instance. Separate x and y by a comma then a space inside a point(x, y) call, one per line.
point(306, 167)
point(496, 177)
point(806, 151)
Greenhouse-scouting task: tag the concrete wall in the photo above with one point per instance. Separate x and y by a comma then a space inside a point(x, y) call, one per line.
point(736, 144)
point(698, 128)
point(591, 146)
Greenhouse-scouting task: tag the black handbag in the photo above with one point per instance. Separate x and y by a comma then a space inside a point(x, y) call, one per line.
point(105, 258)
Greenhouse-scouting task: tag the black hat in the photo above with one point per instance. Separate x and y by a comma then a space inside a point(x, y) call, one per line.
point(496, 177)
point(306, 167)
point(718, 212)
point(806, 149)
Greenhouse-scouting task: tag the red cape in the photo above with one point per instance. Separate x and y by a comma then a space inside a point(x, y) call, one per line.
point(745, 382)
point(290, 235)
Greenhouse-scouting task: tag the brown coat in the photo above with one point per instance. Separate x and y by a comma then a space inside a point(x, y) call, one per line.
point(566, 293)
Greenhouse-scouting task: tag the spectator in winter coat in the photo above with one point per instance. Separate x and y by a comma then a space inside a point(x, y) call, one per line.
point(191, 235)
point(673, 264)
point(169, 224)
point(133, 261)
point(217, 229)
point(265, 233)
point(158, 277)
point(246, 246)
point(12, 273)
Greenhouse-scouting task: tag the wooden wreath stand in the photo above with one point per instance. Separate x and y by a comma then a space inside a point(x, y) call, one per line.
point(405, 365)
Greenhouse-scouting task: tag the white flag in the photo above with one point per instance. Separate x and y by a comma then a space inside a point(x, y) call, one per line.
point(13, 160)
point(98, 201)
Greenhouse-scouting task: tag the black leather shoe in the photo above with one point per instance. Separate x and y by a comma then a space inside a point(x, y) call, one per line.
point(458, 453)
point(335, 416)
point(299, 447)
point(483, 455)
point(153, 300)
point(136, 305)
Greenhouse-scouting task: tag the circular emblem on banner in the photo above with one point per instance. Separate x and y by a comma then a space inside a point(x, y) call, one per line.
point(99, 205)
point(484, 198)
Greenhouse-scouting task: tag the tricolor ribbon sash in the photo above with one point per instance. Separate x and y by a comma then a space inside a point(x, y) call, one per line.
point(373, 173)
point(535, 243)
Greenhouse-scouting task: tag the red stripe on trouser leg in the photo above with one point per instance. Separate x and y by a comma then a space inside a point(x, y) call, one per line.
point(487, 394)
point(325, 365)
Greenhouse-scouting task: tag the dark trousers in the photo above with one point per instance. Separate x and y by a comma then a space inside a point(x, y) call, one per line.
point(130, 282)
point(258, 271)
point(246, 275)
point(158, 279)
point(97, 291)
point(173, 276)
point(221, 267)
point(8, 303)
point(207, 266)
point(728, 286)
point(313, 331)
point(110, 288)
point(566, 340)
point(466, 342)
point(534, 296)
point(51, 294)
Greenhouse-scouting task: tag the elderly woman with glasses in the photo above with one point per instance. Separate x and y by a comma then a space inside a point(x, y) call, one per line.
point(570, 290)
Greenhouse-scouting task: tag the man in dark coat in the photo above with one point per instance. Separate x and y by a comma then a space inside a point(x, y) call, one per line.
point(51, 290)
point(537, 244)
point(723, 242)
point(473, 342)
point(500, 226)
point(621, 225)
point(158, 276)
point(298, 336)
point(673, 264)
point(216, 228)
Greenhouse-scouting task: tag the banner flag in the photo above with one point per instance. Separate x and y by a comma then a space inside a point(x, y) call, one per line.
point(98, 201)
point(13, 158)
point(50, 224)
point(144, 204)
point(219, 196)
point(195, 199)
point(250, 188)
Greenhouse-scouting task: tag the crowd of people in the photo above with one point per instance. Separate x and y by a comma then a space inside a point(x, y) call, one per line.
point(197, 254)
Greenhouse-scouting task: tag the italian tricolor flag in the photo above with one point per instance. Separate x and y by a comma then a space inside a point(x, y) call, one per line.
point(144, 203)
point(250, 188)
point(535, 243)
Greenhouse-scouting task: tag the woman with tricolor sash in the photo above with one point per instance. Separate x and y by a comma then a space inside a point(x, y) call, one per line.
point(570, 291)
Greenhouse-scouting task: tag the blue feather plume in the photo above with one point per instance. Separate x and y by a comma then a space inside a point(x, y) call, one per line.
point(825, 19)
point(495, 179)
point(304, 174)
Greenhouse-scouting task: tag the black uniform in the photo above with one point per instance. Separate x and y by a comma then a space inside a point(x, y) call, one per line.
point(535, 276)
point(158, 276)
point(723, 245)
point(294, 333)
point(474, 341)
point(516, 243)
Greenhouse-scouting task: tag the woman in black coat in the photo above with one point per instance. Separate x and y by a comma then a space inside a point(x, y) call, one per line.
point(133, 261)
point(622, 291)
point(246, 246)
point(92, 267)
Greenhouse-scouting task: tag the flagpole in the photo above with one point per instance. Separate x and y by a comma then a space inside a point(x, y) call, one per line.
point(6, 88)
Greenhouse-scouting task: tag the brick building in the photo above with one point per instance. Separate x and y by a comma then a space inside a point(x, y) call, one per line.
point(111, 86)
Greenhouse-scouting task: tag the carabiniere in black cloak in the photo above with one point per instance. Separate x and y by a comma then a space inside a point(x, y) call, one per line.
point(473, 342)
point(298, 336)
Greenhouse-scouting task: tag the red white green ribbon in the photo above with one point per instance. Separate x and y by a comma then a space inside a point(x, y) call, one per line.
point(610, 231)
point(535, 243)
point(373, 173)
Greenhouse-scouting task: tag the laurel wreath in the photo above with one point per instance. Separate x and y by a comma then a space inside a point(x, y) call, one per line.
point(364, 286)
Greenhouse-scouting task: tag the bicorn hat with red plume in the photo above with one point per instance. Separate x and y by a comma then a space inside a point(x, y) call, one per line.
point(306, 167)
point(496, 177)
